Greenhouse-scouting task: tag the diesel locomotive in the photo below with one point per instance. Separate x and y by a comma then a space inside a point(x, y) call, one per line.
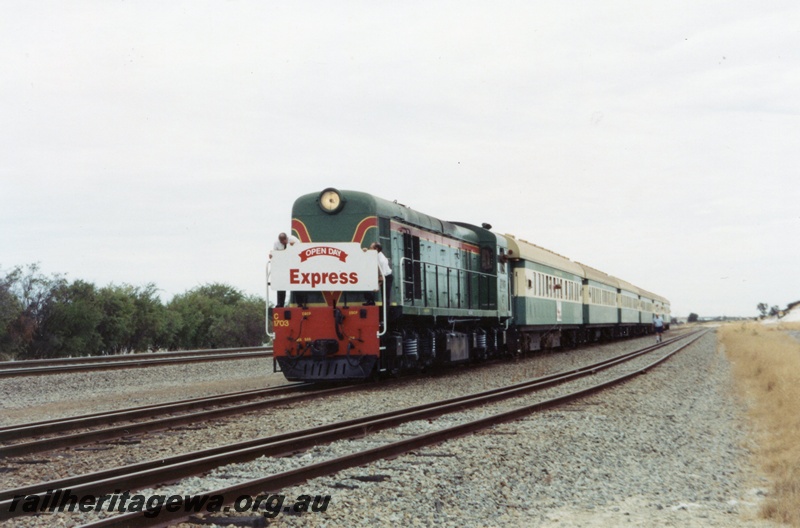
point(460, 292)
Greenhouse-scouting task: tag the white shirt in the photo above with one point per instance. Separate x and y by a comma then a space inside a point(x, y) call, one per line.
point(277, 246)
point(383, 265)
point(290, 241)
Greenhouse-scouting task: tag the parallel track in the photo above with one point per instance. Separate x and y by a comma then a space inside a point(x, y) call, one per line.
point(149, 474)
point(71, 423)
point(60, 366)
point(154, 424)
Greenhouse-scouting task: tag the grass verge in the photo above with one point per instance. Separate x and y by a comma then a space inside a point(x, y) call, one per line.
point(766, 363)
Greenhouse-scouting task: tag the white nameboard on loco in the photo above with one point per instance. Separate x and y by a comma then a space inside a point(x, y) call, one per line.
point(324, 267)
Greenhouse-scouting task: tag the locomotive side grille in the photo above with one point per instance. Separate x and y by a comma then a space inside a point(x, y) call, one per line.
point(480, 340)
point(411, 347)
point(427, 347)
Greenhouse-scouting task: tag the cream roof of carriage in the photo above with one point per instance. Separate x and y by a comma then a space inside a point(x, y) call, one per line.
point(522, 249)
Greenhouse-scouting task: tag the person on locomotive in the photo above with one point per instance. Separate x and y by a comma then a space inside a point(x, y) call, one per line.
point(385, 274)
point(281, 244)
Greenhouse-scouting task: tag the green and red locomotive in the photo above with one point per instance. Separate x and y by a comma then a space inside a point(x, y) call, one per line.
point(459, 293)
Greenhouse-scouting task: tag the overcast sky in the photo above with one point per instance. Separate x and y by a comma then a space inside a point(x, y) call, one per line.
point(164, 142)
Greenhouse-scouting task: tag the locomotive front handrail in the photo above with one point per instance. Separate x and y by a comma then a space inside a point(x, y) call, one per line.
point(266, 319)
point(384, 303)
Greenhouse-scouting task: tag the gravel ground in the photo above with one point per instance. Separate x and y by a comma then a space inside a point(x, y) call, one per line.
point(666, 449)
point(33, 398)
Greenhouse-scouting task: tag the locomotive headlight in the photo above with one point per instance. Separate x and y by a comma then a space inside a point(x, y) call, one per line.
point(331, 201)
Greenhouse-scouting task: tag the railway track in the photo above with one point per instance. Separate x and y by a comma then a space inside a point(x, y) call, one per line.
point(34, 437)
point(154, 420)
point(59, 366)
point(149, 474)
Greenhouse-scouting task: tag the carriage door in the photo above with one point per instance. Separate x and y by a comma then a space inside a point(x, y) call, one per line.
point(503, 285)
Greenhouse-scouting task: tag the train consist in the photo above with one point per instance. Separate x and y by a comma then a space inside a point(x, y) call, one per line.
point(460, 292)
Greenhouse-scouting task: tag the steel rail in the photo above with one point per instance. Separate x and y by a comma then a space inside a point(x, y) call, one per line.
point(153, 472)
point(123, 357)
point(159, 424)
point(132, 363)
point(59, 425)
point(18, 431)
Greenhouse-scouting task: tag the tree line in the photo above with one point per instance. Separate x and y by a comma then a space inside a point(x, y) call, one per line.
point(765, 310)
point(48, 317)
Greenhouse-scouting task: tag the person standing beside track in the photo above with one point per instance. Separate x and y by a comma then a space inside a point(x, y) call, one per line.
point(281, 244)
point(658, 324)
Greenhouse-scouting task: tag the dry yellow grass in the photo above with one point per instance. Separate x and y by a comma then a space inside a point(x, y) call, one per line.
point(766, 363)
